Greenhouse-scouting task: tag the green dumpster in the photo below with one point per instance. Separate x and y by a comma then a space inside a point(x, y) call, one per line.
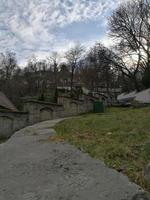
point(98, 107)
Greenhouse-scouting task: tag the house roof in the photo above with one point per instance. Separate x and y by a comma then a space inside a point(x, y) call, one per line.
point(126, 96)
point(142, 96)
point(6, 103)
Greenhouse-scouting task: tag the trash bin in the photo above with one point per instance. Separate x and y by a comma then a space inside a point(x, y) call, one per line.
point(98, 107)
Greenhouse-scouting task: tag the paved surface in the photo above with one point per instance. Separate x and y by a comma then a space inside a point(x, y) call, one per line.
point(33, 168)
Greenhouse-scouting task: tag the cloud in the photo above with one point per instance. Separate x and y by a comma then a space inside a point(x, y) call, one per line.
point(33, 26)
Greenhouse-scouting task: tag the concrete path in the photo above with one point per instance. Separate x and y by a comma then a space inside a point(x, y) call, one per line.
point(34, 168)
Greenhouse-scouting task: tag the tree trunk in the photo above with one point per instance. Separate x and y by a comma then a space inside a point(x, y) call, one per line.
point(55, 84)
point(136, 84)
point(71, 83)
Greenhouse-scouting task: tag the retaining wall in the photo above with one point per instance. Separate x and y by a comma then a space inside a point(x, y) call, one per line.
point(11, 122)
point(75, 107)
point(41, 111)
point(38, 111)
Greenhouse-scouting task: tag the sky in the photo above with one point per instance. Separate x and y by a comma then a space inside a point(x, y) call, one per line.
point(40, 27)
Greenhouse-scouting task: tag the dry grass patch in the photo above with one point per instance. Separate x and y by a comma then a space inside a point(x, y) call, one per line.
point(53, 138)
point(119, 137)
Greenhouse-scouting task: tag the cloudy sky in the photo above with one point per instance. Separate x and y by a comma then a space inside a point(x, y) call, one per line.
point(41, 26)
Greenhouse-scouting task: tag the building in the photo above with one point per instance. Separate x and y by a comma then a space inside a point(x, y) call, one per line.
point(11, 119)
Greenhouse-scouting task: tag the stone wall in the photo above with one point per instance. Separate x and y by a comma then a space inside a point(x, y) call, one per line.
point(38, 111)
point(11, 122)
point(41, 111)
point(76, 107)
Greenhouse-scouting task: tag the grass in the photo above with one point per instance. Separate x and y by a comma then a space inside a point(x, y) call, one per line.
point(120, 137)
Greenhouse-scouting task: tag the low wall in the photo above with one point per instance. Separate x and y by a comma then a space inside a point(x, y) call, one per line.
point(41, 111)
point(38, 111)
point(11, 122)
point(76, 107)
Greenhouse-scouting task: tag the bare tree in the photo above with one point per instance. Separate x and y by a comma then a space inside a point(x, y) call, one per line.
point(11, 77)
point(73, 56)
point(64, 75)
point(36, 77)
point(97, 69)
point(130, 26)
point(32, 64)
point(30, 76)
point(117, 63)
point(54, 59)
point(8, 64)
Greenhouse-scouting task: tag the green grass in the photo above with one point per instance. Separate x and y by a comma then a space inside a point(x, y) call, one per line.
point(120, 137)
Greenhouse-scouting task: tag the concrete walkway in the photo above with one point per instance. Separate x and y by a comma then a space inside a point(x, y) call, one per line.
point(34, 168)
